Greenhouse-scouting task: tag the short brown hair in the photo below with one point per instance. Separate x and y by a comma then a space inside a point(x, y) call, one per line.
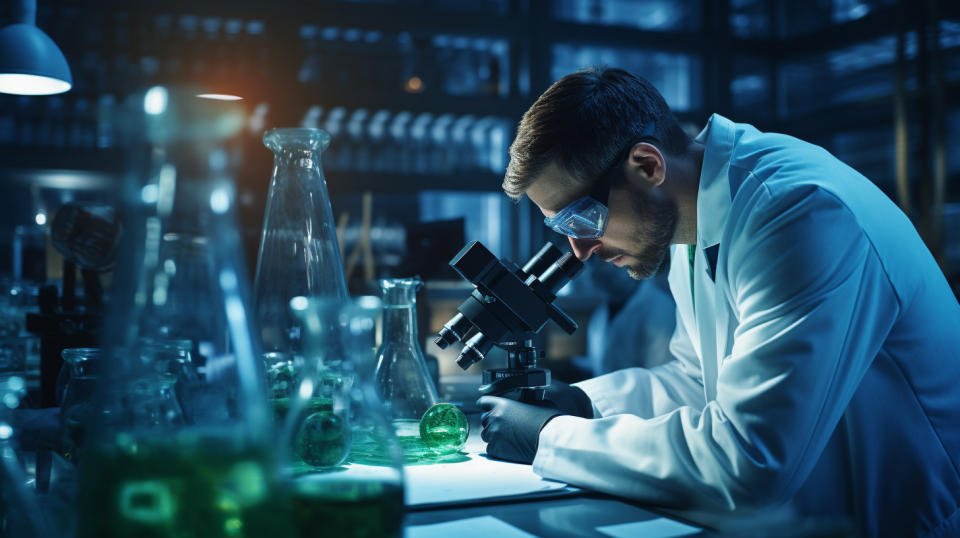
point(583, 121)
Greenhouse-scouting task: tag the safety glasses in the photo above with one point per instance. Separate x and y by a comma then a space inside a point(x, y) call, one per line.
point(586, 218)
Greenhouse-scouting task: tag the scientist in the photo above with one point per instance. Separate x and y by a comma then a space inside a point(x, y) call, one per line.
point(817, 343)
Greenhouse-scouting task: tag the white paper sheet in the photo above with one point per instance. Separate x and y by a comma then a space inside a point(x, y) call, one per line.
point(660, 527)
point(478, 478)
point(484, 526)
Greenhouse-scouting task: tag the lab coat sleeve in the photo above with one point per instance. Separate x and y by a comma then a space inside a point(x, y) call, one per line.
point(813, 308)
point(650, 392)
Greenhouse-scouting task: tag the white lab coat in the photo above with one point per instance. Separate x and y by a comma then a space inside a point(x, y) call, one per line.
point(819, 367)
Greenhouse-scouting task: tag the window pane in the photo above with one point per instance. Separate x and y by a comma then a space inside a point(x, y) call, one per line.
point(645, 14)
point(855, 73)
point(750, 86)
point(749, 18)
point(804, 17)
point(676, 75)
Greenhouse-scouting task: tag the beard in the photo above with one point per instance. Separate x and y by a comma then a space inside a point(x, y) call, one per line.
point(655, 232)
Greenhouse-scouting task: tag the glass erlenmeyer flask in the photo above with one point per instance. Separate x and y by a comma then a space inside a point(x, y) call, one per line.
point(299, 254)
point(402, 376)
point(363, 496)
point(145, 470)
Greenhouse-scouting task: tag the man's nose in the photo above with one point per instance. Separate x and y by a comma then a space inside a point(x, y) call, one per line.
point(584, 248)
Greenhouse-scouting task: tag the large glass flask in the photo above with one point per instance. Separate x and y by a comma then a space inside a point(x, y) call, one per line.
point(147, 471)
point(299, 255)
point(402, 376)
point(362, 495)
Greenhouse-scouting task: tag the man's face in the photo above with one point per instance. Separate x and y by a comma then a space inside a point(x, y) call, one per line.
point(640, 225)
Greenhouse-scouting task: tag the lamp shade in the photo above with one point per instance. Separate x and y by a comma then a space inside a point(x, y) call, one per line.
point(31, 63)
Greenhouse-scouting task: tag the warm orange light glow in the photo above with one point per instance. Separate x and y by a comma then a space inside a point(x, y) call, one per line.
point(414, 85)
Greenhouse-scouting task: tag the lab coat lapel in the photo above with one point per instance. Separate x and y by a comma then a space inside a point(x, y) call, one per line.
point(705, 312)
point(713, 205)
point(679, 279)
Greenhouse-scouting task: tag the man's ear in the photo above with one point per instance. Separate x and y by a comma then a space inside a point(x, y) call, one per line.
point(647, 163)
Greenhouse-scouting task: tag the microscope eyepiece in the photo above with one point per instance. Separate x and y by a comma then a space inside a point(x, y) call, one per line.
point(561, 271)
point(542, 260)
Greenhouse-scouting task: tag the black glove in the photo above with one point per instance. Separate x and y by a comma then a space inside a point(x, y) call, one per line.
point(569, 400)
point(512, 429)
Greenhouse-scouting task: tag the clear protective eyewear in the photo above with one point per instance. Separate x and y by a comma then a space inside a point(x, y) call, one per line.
point(586, 218)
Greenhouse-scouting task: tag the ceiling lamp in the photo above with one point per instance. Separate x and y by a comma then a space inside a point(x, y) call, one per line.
point(30, 62)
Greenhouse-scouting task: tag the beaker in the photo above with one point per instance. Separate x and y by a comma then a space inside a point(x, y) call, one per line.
point(363, 495)
point(402, 376)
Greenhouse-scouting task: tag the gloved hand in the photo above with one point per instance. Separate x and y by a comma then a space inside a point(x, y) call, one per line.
point(512, 429)
point(569, 400)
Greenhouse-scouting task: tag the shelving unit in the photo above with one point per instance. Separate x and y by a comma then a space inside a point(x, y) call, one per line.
point(733, 57)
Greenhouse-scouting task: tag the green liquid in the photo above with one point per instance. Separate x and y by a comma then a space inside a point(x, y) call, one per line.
point(322, 439)
point(178, 492)
point(356, 509)
point(418, 452)
point(444, 428)
point(408, 434)
point(282, 405)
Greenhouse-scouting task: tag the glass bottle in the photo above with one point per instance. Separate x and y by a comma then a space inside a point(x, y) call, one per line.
point(299, 254)
point(402, 376)
point(363, 494)
point(77, 408)
point(145, 470)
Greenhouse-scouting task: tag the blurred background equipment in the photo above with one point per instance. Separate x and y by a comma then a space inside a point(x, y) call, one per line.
point(88, 237)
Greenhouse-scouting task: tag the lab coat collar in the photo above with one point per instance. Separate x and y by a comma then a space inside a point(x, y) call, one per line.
point(713, 195)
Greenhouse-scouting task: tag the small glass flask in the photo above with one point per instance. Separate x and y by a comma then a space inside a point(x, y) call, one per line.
point(77, 408)
point(363, 494)
point(402, 376)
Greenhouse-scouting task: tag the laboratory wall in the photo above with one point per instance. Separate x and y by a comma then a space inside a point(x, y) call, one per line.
point(422, 99)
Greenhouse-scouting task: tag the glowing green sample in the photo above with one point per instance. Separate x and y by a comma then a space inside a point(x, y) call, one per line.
point(323, 440)
point(444, 428)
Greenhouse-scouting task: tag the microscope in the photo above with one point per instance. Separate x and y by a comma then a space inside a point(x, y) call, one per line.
point(507, 308)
